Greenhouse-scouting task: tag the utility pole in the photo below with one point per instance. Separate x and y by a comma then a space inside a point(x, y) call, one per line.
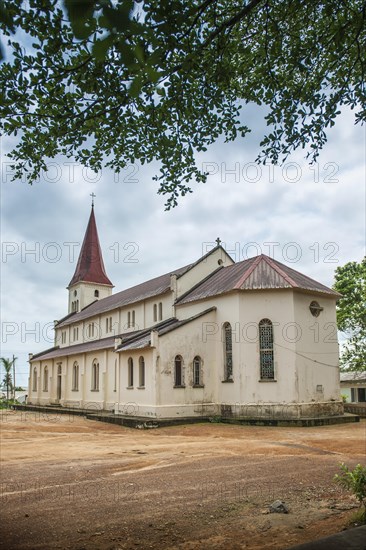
point(13, 376)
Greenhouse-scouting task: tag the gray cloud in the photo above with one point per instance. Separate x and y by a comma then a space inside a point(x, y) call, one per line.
point(283, 206)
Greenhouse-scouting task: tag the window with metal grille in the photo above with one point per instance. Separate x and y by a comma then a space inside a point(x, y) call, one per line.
point(178, 371)
point(228, 352)
point(266, 349)
point(197, 378)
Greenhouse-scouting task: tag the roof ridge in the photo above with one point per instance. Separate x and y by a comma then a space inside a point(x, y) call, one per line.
point(65, 317)
point(250, 270)
point(271, 262)
point(202, 281)
point(189, 319)
point(35, 355)
point(280, 264)
point(204, 258)
point(146, 330)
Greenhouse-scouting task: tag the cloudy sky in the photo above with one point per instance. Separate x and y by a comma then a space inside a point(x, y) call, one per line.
point(311, 218)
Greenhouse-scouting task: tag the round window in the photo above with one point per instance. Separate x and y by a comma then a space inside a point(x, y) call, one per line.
point(315, 309)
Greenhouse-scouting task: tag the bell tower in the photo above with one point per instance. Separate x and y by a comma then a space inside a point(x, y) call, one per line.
point(90, 281)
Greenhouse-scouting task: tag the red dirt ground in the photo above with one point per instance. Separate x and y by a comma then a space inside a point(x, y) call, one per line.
point(72, 483)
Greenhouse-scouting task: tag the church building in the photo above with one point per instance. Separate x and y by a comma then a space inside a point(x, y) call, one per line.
point(253, 338)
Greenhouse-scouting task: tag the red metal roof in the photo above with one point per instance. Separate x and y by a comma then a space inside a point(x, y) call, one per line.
point(258, 273)
point(90, 267)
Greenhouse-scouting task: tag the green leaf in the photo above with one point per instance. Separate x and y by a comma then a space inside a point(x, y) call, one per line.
point(101, 47)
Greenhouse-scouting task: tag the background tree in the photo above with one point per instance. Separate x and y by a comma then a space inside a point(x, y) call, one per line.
point(8, 379)
point(115, 82)
point(350, 281)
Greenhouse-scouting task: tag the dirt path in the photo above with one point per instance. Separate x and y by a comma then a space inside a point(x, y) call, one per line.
point(73, 483)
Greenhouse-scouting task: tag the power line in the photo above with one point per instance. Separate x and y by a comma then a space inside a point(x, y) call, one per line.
point(306, 357)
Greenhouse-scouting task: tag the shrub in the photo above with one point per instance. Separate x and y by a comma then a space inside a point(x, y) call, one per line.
point(355, 481)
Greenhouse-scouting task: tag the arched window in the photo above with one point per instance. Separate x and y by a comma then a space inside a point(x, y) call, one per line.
point(95, 376)
point(141, 372)
point(266, 349)
point(155, 313)
point(160, 311)
point(34, 381)
point(178, 371)
point(130, 372)
point(228, 351)
point(133, 318)
point(75, 377)
point(128, 319)
point(96, 293)
point(45, 379)
point(197, 375)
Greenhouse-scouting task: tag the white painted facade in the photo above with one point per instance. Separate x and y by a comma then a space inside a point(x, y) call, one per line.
point(90, 368)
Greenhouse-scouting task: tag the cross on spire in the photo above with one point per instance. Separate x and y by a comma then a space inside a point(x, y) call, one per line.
point(93, 197)
point(218, 241)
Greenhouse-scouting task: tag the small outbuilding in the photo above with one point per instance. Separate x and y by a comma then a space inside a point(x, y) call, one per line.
point(353, 386)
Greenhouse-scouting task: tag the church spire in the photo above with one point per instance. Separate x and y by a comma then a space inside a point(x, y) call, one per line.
point(90, 267)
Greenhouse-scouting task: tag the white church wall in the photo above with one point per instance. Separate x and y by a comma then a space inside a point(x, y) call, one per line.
point(136, 399)
point(84, 293)
point(317, 350)
point(277, 306)
point(246, 390)
point(188, 400)
point(128, 314)
point(166, 301)
point(109, 324)
point(202, 269)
